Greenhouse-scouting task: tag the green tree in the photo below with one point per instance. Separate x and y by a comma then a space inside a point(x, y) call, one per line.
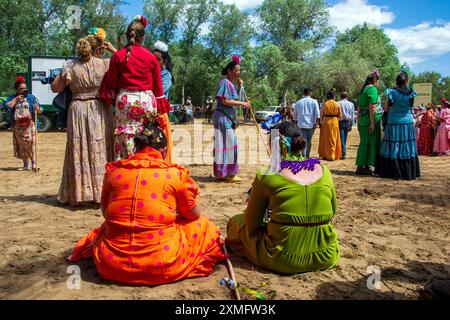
point(441, 85)
point(45, 32)
point(230, 32)
point(373, 46)
point(163, 17)
point(195, 14)
point(298, 28)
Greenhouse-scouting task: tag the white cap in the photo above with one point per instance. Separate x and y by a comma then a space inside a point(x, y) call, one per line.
point(161, 46)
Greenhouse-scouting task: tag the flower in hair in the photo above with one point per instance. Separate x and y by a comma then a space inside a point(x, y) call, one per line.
point(377, 73)
point(236, 59)
point(161, 46)
point(20, 79)
point(100, 32)
point(147, 132)
point(404, 69)
point(142, 19)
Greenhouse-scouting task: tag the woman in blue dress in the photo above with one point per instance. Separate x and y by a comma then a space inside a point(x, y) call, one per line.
point(398, 156)
point(161, 52)
point(226, 165)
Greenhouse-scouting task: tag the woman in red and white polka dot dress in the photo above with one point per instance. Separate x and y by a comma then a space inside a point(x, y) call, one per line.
point(425, 139)
point(153, 232)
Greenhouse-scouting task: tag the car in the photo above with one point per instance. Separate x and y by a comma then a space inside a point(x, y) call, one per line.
point(268, 111)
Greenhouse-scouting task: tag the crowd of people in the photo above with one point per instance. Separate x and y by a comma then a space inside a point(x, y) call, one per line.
point(391, 136)
point(433, 129)
point(119, 155)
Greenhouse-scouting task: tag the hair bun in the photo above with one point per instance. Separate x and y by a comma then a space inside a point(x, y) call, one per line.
point(376, 74)
point(84, 49)
point(298, 143)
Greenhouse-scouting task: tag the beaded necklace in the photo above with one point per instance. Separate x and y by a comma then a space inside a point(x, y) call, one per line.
point(297, 166)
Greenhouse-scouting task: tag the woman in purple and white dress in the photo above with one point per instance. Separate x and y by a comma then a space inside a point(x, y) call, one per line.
point(226, 146)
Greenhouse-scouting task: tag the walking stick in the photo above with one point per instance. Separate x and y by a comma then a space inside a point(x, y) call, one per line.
point(231, 272)
point(36, 169)
point(259, 131)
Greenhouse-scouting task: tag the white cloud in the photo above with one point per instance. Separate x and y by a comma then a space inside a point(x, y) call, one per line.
point(419, 43)
point(416, 44)
point(244, 4)
point(350, 13)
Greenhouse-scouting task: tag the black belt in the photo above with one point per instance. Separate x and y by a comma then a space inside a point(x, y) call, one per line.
point(331, 116)
point(85, 99)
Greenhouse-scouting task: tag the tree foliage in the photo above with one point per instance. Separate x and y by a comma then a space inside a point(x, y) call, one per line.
point(285, 45)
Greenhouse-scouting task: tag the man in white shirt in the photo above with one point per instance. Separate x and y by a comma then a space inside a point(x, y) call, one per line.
point(307, 116)
point(346, 120)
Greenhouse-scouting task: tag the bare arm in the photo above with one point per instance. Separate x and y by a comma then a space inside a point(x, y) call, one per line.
point(13, 102)
point(59, 84)
point(387, 106)
point(372, 117)
point(110, 47)
point(232, 103)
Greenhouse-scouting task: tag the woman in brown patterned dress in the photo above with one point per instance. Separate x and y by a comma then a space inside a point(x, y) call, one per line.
point(89, 124)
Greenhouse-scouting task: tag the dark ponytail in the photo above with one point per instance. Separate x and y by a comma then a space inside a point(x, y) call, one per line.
point(371, 79)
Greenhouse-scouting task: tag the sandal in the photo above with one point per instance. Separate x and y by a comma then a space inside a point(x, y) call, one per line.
point(233, 179)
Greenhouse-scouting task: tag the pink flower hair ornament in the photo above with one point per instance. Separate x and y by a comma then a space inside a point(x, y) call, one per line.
point(236, 59)
point(377, 73)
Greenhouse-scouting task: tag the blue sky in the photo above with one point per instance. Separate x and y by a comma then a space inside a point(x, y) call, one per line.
point(420, 29)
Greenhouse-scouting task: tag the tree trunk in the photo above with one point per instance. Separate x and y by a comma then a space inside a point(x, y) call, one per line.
point(182, 93)
point(186, 61)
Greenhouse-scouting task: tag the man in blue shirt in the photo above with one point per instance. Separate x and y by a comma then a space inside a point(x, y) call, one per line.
point(346, 120)
point(307, 116)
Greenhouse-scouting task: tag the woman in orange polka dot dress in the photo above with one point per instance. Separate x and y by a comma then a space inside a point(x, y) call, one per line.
point(153, 231)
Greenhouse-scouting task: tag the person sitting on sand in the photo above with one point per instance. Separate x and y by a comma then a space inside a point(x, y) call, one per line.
point(299, 194)
point(154, 232)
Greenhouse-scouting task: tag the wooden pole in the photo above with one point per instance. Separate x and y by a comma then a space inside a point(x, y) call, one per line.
point(231, 272)
point(36, 168)
point(259, 131)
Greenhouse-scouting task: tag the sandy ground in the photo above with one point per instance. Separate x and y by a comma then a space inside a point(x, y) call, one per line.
point(401, 227)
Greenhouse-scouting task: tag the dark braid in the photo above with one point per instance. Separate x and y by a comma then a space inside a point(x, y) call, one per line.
point(135, 33)
point(131, 42)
